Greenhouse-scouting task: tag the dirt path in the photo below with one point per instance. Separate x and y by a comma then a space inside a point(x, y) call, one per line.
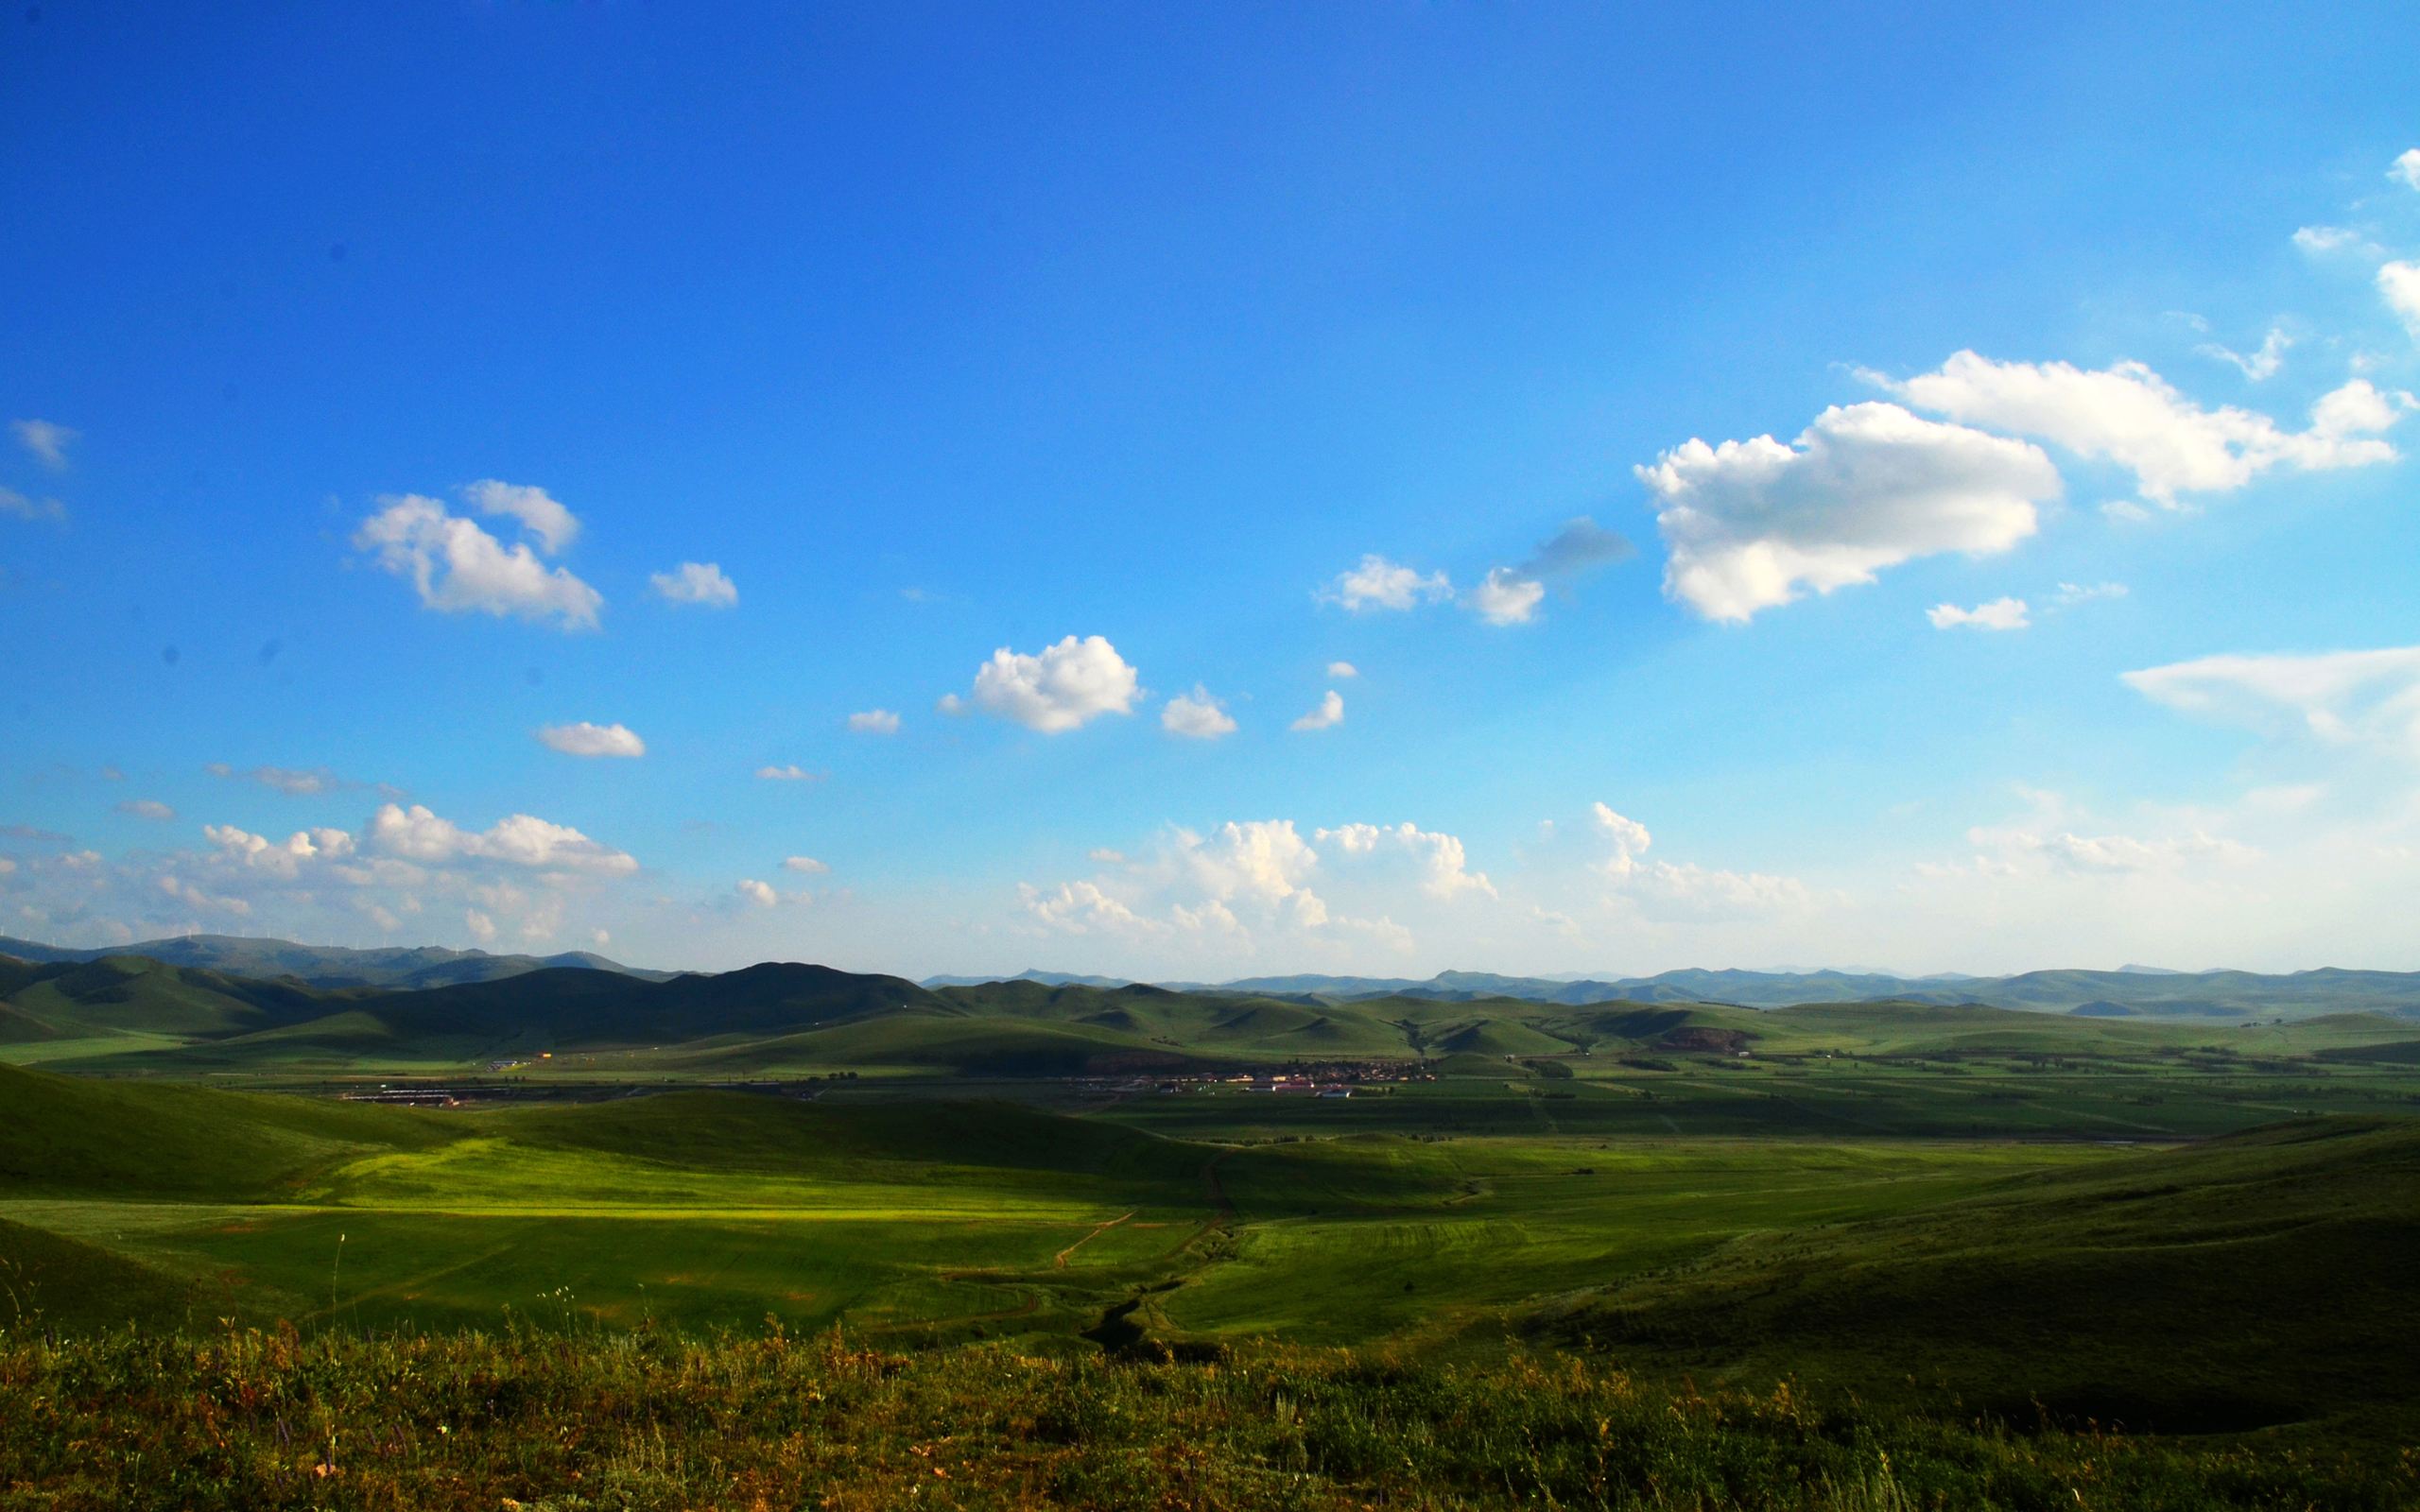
point(1059, 1261)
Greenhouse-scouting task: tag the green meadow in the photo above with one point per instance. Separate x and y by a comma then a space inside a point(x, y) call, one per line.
point(1981, 1247)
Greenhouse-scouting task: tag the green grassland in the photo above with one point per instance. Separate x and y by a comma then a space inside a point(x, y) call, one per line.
point(1946, 1213)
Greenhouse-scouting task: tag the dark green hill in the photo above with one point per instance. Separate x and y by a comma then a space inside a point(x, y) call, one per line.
point(2231, 1285)
point(72, 1135)
point(122, 994)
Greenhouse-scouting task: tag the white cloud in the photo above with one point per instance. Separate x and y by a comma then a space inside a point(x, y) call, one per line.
point(1630, 839)
point(520, 839)
point(539, 512)
point(1197, 715)
point(2399, 285)
point(2260, 366)
point(2341, 697)
point(695, 582)
point(1062, 688)
point(2044, 842)
point(2406, 170)
point(13, 503)
point(584, 739)
point(192, 897)
point(2070, 594)
point(46, 440)
point(1330, 712)
point(1510, 595)
point(456, 567)
point(482, 928)
point(1749, 524)
point(790, 773)
point(1378, 583)
point(1999, 615)
point(807, 864)
point(2318, 239)
point(1341, 670)
point(287, 779)
point(1443, 869)
point(2129, 415)
point(1503, 597)
point(1262, 861)
point(147, 808)
point(1082, 908)
point(1103, 856)
point(1684, 890)
point(875, 722)
point(759, 893)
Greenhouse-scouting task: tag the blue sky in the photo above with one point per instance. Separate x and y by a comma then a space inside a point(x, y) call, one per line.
point(2005, 415)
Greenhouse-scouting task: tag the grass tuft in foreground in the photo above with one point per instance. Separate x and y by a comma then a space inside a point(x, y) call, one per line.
point(247, 1420)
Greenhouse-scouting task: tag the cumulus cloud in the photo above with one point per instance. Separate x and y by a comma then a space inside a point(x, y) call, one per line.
point(2406, 168)
point(1504, 597)
point(1999, 615)
point(584, 739)
point(539, 512)
point(147, 808)
point(456, 567)
point(2259, 366)
point(1378, 583)
point(1341, 670)
point(290, 781)
point(2045, 841)
point(792, 772)
point(695, 582)
point(1443, 869)
point(1750, 523)
point(1197, 715)
point(759, 893)
point(328, 882)
point(1082, 908)
point(520, 840)
point(2129, 415)
point(2341, 697)
point(807, 864)
point(1510, 595)
point(482, 928)
point(2400, 285)
point(46, 441)
point(2319, 239)
point(13, 503)
point(875, 722)
point(1063, 687)
point(1329, 712)
point(1684, 890)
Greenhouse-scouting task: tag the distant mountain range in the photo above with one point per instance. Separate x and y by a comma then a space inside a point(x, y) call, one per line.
point(2128, 992)
point(134, 1014)
point(327, 965)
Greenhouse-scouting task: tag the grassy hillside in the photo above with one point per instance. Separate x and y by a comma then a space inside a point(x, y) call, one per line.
point(2236, 1284)
point(67, 1135)
point(323, 966)
point(470, 1423)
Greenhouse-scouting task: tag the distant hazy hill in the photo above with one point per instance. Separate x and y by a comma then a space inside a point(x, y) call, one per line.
point(2128, 991)
point(1046, 978)
point(327, 965)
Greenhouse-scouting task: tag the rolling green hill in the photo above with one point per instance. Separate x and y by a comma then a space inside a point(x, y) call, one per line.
point(325, 965)
point(2232, 1285)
